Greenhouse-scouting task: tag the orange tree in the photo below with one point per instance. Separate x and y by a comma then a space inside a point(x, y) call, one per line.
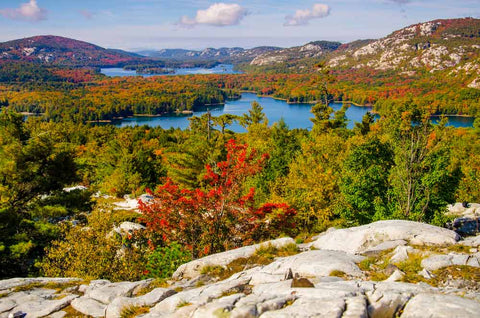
point(222, 215)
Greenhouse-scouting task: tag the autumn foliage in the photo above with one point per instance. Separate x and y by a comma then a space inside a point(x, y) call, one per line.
point(222, 215)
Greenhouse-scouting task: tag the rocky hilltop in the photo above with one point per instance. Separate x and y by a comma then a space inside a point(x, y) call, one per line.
point(384, 269)
point(316, 49)
point(435, 45)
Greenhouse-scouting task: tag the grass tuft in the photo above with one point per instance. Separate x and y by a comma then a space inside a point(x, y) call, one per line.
point(183, 303)
point(133, 311)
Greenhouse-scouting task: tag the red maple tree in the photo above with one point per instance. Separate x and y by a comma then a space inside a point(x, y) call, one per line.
point(220, 216)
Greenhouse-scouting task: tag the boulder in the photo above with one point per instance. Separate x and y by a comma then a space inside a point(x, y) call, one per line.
point(89, 307)
point(465, 226)
point(108, 292)
point(363, 238)
point(428, 305)
point(388, 298)
point(129, 227)
point(453, 259)
point(473, 241)
point(193, 269)
point(401, 254)
point(468, 218)
point(396, 276)
point(93, 285)
point(464, 209)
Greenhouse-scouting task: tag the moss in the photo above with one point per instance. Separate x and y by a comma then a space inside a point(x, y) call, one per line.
point(264, 255)
point(221, 313)
point(183, 303)
point(411, 267)
point(133, 311)
point(443, 249)
point(288, 303)
point(374, 266)
point(157, 283)
point(468, 274)
point(242, 289)
point(59, 287)
point(337, 273)
point(72, 313)
point(269, 251)
point(367, 263)
point(212, 270)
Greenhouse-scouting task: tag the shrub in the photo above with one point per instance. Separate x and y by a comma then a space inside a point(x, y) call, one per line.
point(163, 261)
point(95, 252)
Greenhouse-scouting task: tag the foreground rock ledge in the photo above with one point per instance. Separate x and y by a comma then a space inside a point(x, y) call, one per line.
point(269, 290)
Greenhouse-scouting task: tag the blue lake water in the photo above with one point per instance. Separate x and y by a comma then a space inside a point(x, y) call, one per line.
point(219, 69)
point(295, 115)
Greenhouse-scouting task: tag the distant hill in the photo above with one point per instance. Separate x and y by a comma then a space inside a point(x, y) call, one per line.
point(310, 50)
point(55, 50)
point(224, 55)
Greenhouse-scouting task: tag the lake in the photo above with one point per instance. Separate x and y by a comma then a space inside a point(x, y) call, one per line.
point(295, 115)
point(219, 69)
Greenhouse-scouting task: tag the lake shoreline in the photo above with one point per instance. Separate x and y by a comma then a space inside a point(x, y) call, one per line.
point(305, 103)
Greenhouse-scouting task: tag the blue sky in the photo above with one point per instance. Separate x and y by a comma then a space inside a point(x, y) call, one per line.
point(196, 24)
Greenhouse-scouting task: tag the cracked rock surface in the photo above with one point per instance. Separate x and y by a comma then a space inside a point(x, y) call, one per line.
point(337, 282)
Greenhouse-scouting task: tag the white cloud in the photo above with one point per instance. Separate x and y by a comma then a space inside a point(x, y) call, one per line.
point(302, 17)
point(29, 11)
point(218, 14)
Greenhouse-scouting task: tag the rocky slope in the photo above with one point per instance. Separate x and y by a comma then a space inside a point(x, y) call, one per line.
point(452, 45)
point(384, 269)
point(435, 45)
point(310, 50)
point(57, 50)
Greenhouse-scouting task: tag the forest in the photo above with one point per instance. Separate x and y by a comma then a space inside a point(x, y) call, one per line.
point(211, 189)
point(83, 95)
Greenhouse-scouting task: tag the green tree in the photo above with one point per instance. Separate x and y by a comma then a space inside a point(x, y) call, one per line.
point(364, 182)
point(422, 181)
point(32, 168)
point(363, 127)
point(255, 115)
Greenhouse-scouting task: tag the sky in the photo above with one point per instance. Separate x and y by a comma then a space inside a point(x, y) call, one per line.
point(197, 24)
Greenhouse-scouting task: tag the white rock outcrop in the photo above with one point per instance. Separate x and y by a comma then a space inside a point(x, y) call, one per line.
point(362, 238)
point(272, 290)
point(440, 306)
